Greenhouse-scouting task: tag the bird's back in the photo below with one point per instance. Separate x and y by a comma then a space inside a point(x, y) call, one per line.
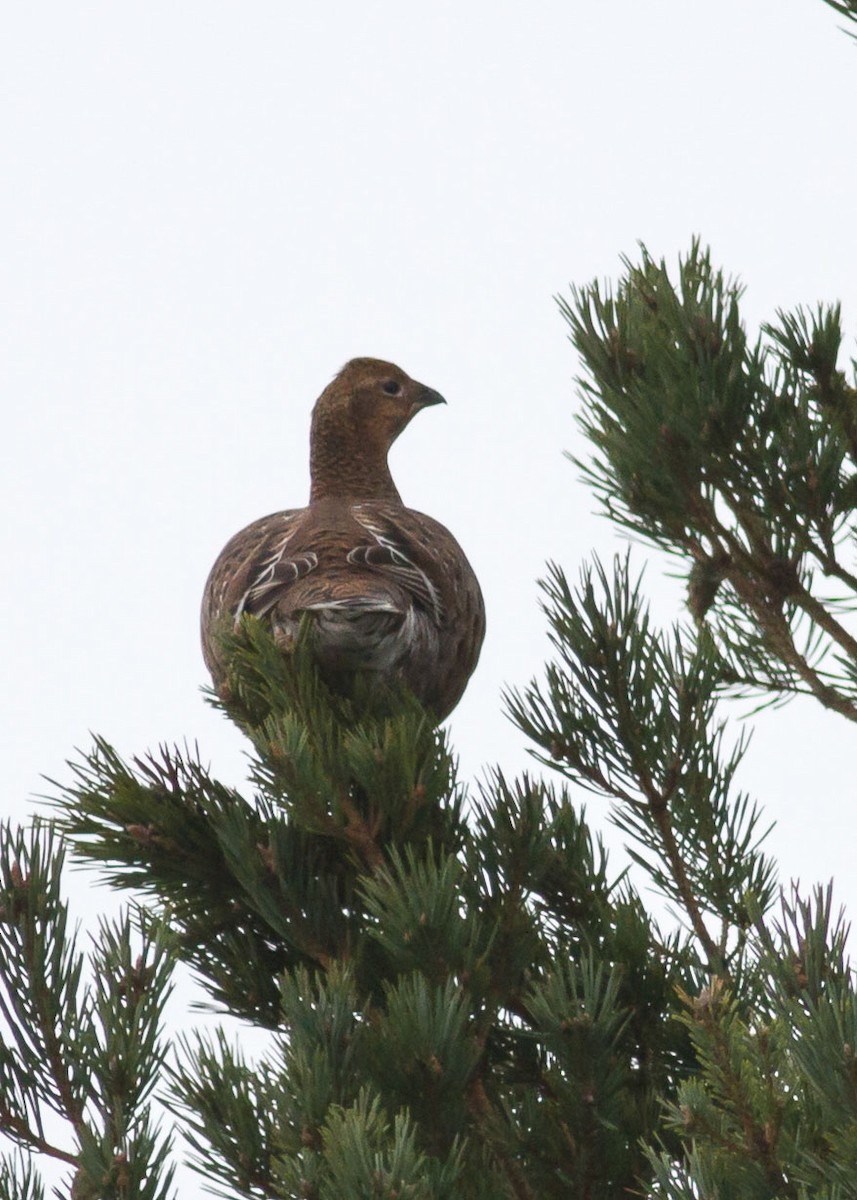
point(388, 589)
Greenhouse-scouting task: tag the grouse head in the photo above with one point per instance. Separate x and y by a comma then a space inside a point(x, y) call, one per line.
point(355, 421)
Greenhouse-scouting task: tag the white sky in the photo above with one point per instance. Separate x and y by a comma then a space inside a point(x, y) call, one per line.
point(207, 208)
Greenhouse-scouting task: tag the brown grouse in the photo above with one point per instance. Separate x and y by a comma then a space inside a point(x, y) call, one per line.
point(388, 590)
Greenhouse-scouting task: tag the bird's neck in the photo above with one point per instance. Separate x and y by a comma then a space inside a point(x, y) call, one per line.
point(345, 471)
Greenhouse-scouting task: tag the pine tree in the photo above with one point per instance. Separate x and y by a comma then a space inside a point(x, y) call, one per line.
point(464, 999)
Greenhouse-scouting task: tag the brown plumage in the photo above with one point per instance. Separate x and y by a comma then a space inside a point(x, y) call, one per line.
point(388, 589)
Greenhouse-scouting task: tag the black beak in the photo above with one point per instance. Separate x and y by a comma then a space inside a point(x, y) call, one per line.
point(429, 396)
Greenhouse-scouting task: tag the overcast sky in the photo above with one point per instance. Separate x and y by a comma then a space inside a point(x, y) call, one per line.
point(207, 208)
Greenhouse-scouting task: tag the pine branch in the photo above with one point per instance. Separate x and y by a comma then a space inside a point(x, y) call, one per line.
point(740, 456)
point(848, 8)
point(82, 1032)
point(633, 717)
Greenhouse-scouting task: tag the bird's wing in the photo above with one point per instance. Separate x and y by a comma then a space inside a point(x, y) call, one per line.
point(275, 569)
point(394, 553)
point(433, 571)
point(254, 556)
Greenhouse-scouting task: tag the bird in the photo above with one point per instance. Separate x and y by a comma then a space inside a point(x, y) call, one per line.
point(388, 592)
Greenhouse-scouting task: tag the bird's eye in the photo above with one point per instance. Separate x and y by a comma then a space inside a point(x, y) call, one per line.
point(392, 387)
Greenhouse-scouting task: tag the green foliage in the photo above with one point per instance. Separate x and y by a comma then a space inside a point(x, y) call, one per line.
point(773, 1111)
point(478, 1008)
point(255, 888)
point(848, 8)
point(631, 714)
point(81, 1034)
point(19, 1179)
point(737, 456)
